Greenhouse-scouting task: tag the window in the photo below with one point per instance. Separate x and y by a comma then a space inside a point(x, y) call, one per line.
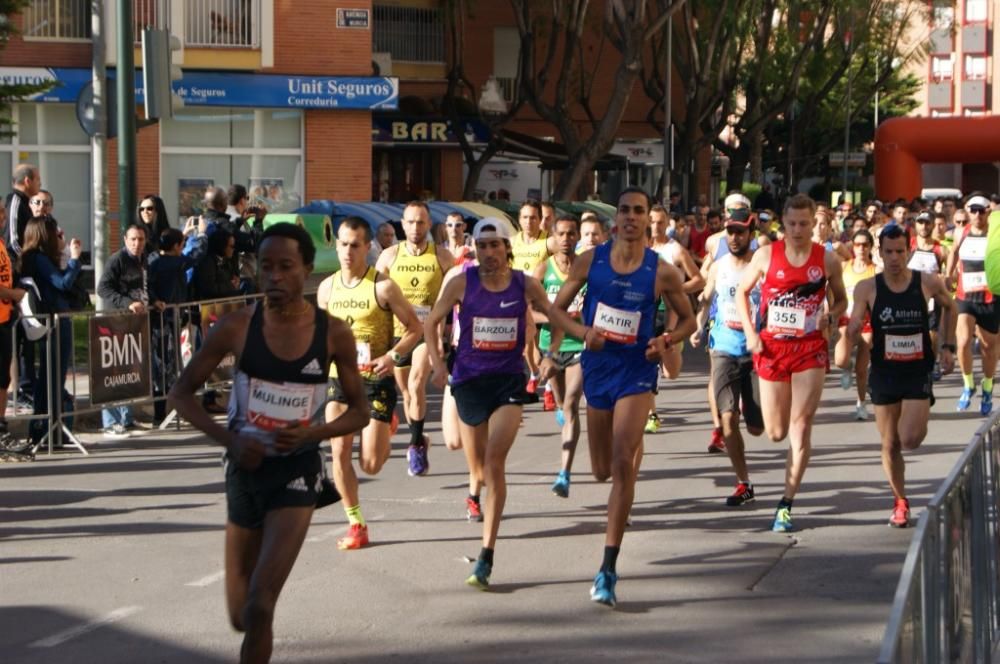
point(48, 136)
point(975, 67)
point(506, 49)
point(941, 67)
point(57, 20)
point(943, 14)
point(258, 148)
point(976, 11)
point(412, 34)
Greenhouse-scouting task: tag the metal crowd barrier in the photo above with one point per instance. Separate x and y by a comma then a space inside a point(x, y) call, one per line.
point(947, 604)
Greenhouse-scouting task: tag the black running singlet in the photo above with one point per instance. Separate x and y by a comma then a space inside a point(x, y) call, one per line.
point(901, 339)
point(269, 393)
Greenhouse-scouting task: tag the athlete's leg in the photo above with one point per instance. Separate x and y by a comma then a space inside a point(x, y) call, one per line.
point(734, 444)
point(807, 388)
point(776, 406)
point(965, 331)
point(626, 439)
point(503, 426)
point(420, 371)
point(673, 362)
point(342, 448)
point(573, 383)
point(887, 419)
point(449, 421)
point(842, 351)
point(474, 445)
point(242, 550)
point(284, 531)
point(375, 448)
point(987, 351)
point(864, 356)
point(599, 434)
point(912, 423)
point(402, 375)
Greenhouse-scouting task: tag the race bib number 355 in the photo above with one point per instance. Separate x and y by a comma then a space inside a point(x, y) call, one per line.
point(786, 320)
point(616, 324)
point(494, 333)
point(274, 406)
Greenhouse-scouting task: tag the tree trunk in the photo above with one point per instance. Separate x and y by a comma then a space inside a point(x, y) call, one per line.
point(737, 170)
point(476, 167)
point(757, 158)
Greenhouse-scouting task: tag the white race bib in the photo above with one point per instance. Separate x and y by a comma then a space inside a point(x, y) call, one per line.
point(616, 324)
point(786, 320)
point(494, 333)
point(923, 261)
point(364, 354)
point(973, 282)
point(904, 348)
point(273, 406)
point(423, 311)
point(575, 308)
point(973, 248)
point(731, 316)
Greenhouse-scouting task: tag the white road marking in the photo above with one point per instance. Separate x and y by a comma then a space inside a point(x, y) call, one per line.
point(80, 630)
point(207, 580)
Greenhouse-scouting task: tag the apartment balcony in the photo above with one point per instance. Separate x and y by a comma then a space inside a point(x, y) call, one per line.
point(199, 24)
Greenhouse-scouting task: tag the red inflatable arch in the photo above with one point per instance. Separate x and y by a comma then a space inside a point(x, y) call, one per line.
point(903, 144)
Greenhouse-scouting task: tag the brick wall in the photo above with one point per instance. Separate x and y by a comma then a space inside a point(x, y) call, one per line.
point(21, 53)
point(338, 155)
point(147, 146)
point(308, 40)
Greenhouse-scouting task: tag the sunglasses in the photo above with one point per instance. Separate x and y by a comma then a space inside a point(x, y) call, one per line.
point(975, 209)
point(37, 201)
point(960, 221)
point(453, 225)
point(147, 208)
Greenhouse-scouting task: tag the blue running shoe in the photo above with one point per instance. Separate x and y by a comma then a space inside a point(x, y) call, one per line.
point(965, 399)
point(986, 405)
point(561, 486)
point(480, 577)
point(603, 590)
point(782, 520)
point(416, 459)
point(560, 418)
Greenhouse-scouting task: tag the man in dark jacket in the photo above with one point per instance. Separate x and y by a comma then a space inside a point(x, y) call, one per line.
point(26, 182)
point(123, 286)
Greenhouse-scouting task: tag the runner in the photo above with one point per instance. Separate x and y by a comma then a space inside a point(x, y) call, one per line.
point(860, 268)
point(458, 241)
point(734, 384)
point(274, 467)
point(624, 281)
point(592, 232)
point(488, 375)
point(790, 352)
point(563, 351)
point(418, 266)
point(977, 309)
point(531, 247)
point(896, 302)
point(367, 301)
point(929, 256)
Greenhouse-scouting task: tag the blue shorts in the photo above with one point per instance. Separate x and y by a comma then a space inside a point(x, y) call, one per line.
point(610, 375)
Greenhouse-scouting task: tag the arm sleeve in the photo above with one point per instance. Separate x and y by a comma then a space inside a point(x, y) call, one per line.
point(58, 279)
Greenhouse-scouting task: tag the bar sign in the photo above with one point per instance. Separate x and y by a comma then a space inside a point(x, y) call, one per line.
point(353, 18)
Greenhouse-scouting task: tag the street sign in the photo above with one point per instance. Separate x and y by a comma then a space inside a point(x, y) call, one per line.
point(86, 116)
point(352, 18)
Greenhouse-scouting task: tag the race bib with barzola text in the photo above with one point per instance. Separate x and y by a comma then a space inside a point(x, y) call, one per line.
point(494, 334)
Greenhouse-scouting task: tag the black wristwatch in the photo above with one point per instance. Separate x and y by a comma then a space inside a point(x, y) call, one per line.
point(949, 347)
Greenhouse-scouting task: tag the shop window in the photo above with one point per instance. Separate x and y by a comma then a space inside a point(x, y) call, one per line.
point(260, 149)
point(410, 34)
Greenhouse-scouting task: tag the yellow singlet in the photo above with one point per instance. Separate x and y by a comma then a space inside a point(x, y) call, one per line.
point(852, 278)
point(358, 307)
point(419, 277)
point(527, 255)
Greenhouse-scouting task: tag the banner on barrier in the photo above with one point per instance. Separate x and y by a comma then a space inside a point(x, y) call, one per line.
point(119, 358)
point(210, 315)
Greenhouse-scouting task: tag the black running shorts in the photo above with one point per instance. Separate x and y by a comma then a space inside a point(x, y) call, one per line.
point(887, 387)
point(985, 314)
point(288, 481)
point(382, 396)
point(479, 397)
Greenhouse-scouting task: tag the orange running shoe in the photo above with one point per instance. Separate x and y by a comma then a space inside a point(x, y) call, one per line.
point(357, 537)
point(900, 514)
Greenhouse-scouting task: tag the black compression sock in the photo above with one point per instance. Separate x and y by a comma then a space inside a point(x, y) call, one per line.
point(486, 555)
point(785, 502)
point(474, 499)
point(610, 558)
point(416, 432)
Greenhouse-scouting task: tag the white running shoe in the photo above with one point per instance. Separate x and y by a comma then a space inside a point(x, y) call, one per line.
point(861, 413)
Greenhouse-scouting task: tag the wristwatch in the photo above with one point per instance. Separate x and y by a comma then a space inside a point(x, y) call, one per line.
point(949, 347)
point(394, 356)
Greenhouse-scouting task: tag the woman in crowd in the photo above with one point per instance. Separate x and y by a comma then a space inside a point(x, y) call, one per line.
point(43, 246)
point(152, 215)
point(214, 276)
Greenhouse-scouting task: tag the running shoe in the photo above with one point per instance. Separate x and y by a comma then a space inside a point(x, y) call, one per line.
point(861, 413)
point(548, 400)
point(986, 405)
point(652, 423)
point(782, 520)
point(416, 459)
point(357, 537)
point(965, 399)
point(480, 577)
point(603, 590)
point(561, 486)
point(717, 445)
point(560, 418)
point(116, 431)
point(845, 379)
point(473, 511)
point(900, 514)
point(742, 496)
point(532, 387)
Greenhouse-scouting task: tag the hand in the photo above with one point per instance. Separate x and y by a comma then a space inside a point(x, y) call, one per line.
point(246, 451)
point(382, 366)
point(754, 344)
point(202, 225)
point(947, 361)
point(190, 226)
point(137, 308)
point(593, 340)
point(235, 281)
point(17, 294)
point(695, 338)
point(824, 322)
point(293, 436)
point(658, 347)
point(159, 305)
point(547, 369)
point(75, 248)
point(439, 377)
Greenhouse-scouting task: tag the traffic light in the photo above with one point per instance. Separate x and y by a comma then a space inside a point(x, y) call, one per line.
point(158, 72)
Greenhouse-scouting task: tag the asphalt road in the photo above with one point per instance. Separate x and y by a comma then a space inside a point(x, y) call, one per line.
point(117, 557)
